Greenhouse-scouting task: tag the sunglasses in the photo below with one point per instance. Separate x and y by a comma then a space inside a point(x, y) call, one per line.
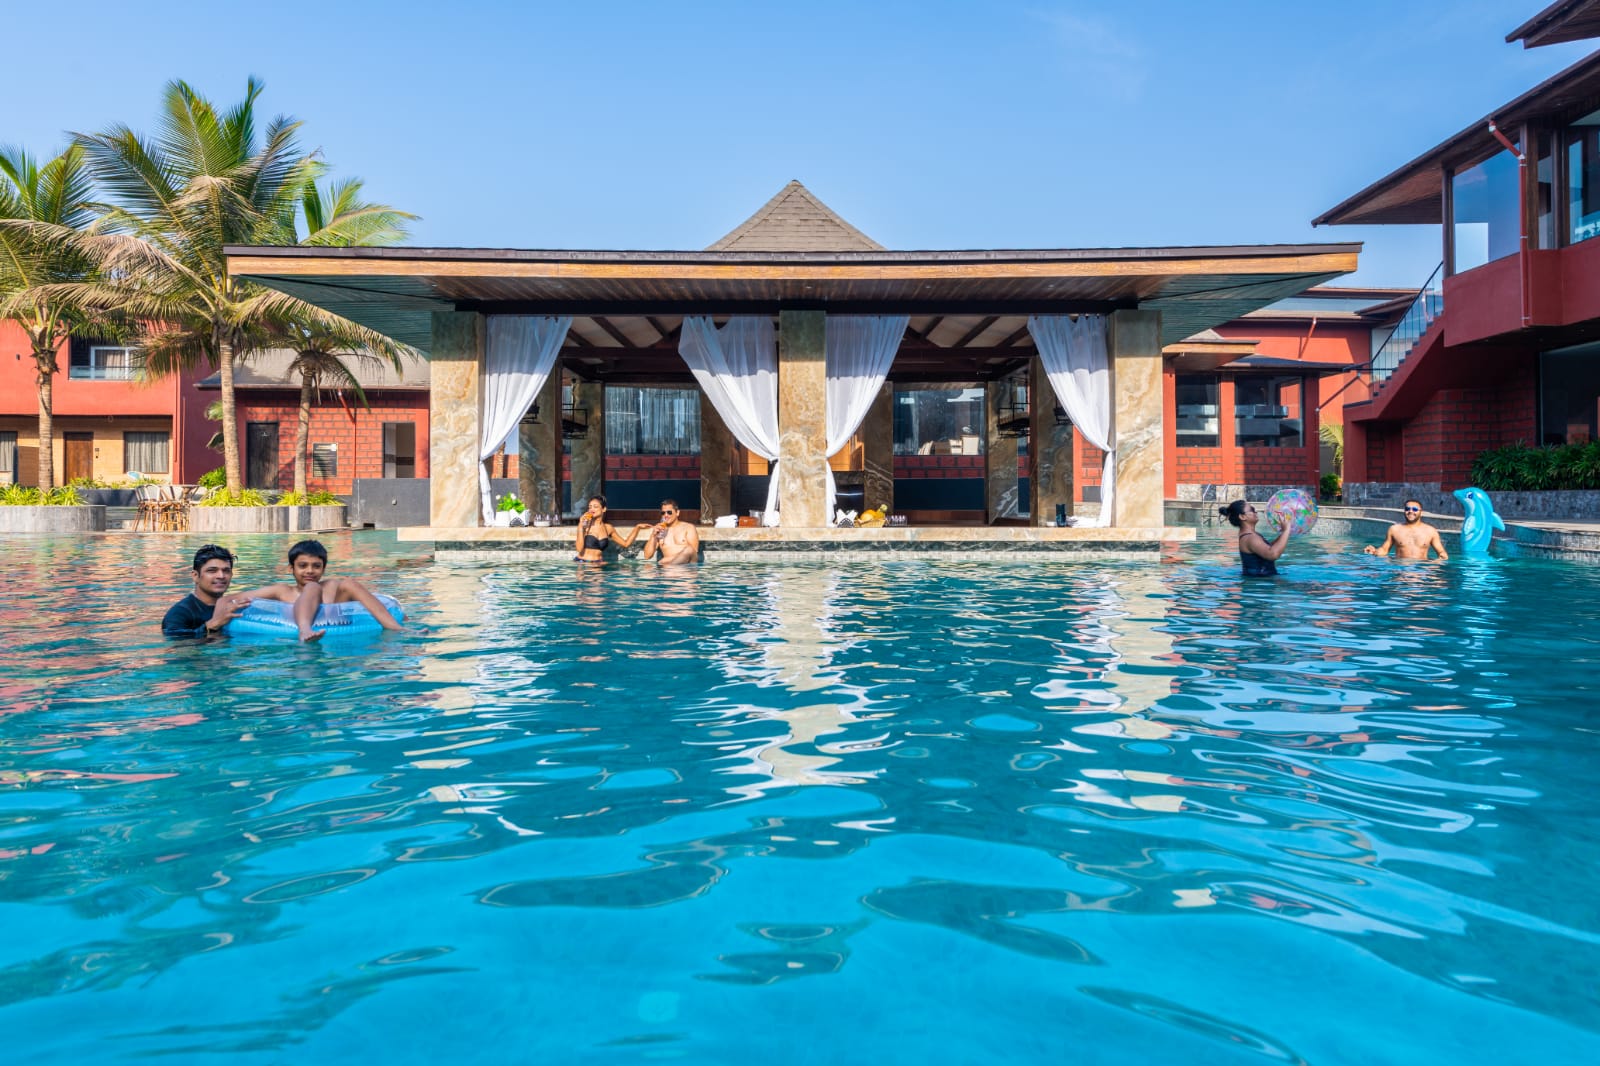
point(669, 512)
point(1417, 509)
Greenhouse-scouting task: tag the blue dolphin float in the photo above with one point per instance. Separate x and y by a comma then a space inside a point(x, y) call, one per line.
point(1478, 527)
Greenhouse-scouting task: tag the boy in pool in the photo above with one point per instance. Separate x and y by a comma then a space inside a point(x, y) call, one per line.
point(307, 561)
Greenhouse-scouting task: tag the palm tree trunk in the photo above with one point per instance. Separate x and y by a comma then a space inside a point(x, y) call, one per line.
point(302, 432)
point(44, 361)
point(230, 422)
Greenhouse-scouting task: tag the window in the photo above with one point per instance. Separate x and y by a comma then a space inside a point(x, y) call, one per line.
point(1583, 178)
point(399, 449)
point(1569, 395)
point(8, 457)
point(324, 460)
point(146, 451)
point(1267, 412)
point(102, 362)
point(1483, 204)
point(933, 421)
point(1197, 410)
point(641, 421)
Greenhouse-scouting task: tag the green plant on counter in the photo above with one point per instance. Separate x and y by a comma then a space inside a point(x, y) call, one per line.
point(25, 496)
point(224, 498)
point(508, 502)
point(213, 479)
point(1523, 468)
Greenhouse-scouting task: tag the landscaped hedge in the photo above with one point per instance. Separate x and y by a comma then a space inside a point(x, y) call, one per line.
point(1521, 468)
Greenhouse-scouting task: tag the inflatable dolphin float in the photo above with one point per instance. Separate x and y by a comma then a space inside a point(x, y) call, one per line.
point(1477, 529)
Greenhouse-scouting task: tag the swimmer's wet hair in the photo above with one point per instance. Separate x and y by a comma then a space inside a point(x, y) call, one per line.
point(209, 552)
point(308, 547)
point(1233, 512)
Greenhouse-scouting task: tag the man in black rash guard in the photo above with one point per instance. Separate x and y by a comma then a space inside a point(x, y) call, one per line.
point(208, 609)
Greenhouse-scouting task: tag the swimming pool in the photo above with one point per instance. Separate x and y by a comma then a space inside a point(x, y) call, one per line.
point(903, 812)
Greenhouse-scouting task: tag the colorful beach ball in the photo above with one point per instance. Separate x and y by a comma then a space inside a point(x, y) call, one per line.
point(1293, 508)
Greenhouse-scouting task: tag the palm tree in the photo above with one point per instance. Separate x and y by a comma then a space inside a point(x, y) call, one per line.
point(338, 217)
point(38, 203)
point(204, 181)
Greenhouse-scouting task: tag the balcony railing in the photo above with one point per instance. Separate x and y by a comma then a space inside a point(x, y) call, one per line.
point(1424, 310)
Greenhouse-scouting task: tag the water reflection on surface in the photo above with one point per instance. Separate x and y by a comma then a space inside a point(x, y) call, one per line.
point(607, 809)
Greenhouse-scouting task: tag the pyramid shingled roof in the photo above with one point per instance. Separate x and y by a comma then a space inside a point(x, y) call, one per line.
point(795, 221)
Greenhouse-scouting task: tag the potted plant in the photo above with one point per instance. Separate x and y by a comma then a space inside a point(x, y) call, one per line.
point(510, 511)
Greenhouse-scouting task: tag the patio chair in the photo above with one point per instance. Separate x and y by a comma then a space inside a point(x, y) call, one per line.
point(148, 518)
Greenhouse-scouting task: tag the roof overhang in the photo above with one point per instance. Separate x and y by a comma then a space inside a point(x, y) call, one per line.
point(396, 290)
point(1198, 357)
point(1565, 20)
point(1415, 192)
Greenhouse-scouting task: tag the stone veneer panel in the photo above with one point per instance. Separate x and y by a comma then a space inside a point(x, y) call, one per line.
point(539, 461)
point(455, 367)
point(589, 450)
point(1000, 451)
point(716, 462)
point(802, 431)
point(1049, 450)
point(1135, 343)
point(877, 450)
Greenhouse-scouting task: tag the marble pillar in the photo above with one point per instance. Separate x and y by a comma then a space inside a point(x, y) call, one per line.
point(802, 431)
point(1050, 455)
point(716, 462)
point(1135, 343)
point(589, 450)
point(877, 450)
point(456, 367)
point(1000, 451)
point(539, 446)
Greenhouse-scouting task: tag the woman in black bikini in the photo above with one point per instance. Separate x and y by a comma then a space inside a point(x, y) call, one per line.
point(595, 534)
point(1257, 555)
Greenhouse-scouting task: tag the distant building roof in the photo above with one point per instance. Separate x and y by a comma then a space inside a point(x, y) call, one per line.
point(1565, 20)
point(795, 221)
point(271, 370)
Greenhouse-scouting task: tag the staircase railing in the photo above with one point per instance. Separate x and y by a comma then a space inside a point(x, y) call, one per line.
point(1428, 306)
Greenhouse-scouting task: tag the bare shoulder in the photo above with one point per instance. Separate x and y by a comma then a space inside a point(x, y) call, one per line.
point(284, 592)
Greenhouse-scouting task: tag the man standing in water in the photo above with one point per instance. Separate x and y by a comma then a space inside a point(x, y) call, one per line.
point(674, 541)
point(209, 608)
point(1411, 537)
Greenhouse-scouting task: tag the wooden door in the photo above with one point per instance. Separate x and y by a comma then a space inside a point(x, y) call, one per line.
point(261, 455)
point(78, 453)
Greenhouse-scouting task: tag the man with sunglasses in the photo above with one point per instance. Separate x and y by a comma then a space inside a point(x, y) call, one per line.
point(672, 540)
point(207, 610)
point(1411, 537)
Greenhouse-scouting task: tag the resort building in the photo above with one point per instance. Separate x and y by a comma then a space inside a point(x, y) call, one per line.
point(1502, 344)
point(801, 346)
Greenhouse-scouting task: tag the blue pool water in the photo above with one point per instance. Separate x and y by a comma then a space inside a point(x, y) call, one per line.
point(905, 812)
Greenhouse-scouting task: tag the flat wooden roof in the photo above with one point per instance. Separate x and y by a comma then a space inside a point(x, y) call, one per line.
point(395, 290)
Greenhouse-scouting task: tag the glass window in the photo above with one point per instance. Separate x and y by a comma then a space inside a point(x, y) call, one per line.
point(1583, 178)
point(649, 421)
point(1484, 208)
point(1267, 412)
point(1569, 395)
point(102, 362)
point(1197, 410)
point(1545, 193)
point(938, 421)
point(147, 452)
point(400, 449)
point(8, 457)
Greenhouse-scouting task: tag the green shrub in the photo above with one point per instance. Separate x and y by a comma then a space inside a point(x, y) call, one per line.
point(213, 479)
point(324, 498)
point(224, 498)
point(23, 496)
point(1522, 468)
point(87, 483)
point(1330, 486)
point(291, 499)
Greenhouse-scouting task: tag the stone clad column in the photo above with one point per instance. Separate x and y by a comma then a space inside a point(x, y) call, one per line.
point(1049, 450)
point(1000, 451)
point(716, 463)
point(539, 446)
point(589, 450)
point(802, 440)
point(1135, 343)
point(877, 450)
point(456, 369)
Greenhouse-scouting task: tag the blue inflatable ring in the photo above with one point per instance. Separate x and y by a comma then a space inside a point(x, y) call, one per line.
point(273, 618)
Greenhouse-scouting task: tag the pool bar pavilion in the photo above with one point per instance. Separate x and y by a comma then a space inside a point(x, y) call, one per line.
point(796, 330)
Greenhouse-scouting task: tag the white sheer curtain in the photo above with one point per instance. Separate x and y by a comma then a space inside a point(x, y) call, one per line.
point(1078, 363)
point(737, 367)
point(520, 352)
point(858, 351)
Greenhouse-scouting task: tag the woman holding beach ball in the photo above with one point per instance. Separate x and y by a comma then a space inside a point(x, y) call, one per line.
point(1257, 555)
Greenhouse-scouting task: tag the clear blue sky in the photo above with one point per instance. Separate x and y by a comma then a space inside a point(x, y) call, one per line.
point(927, 124)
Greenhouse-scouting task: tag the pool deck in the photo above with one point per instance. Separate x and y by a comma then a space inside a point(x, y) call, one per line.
point(1000, 543)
